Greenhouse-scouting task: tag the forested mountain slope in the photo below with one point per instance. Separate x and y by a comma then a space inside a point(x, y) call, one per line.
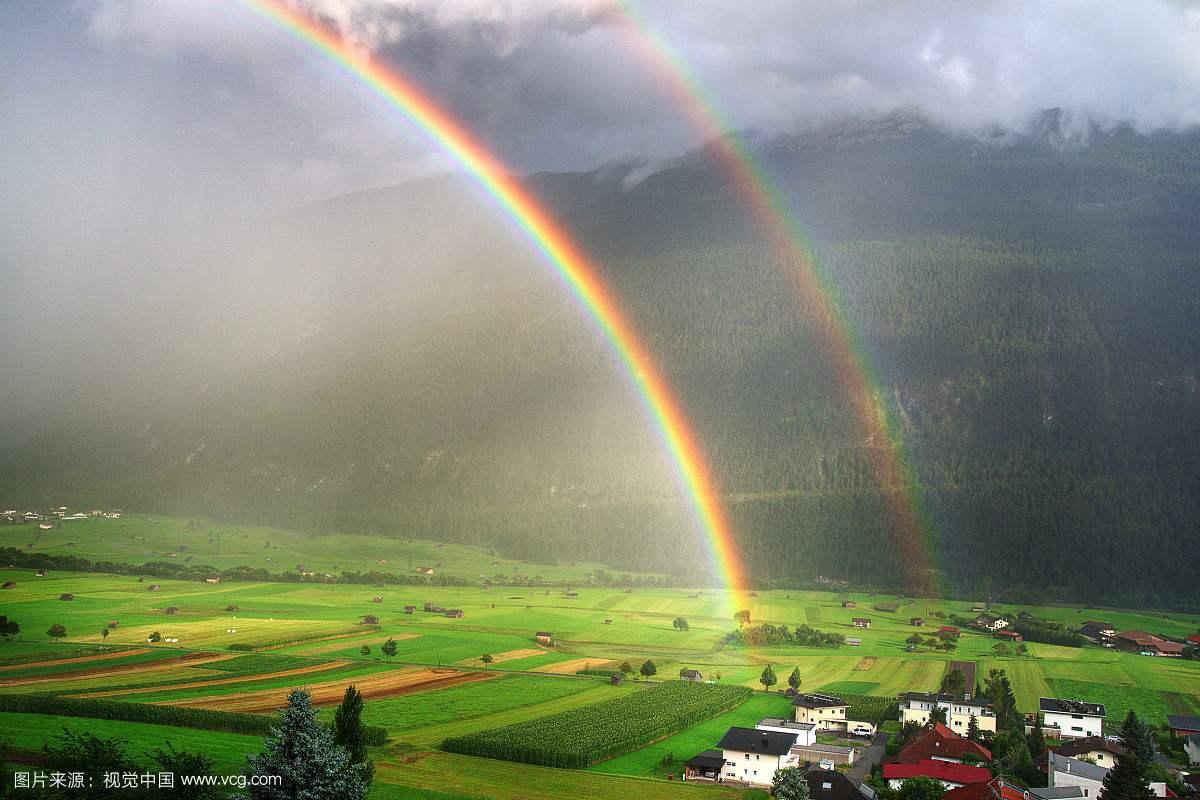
point(401, 361)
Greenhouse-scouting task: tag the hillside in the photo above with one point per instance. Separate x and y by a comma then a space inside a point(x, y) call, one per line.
point(399, 362)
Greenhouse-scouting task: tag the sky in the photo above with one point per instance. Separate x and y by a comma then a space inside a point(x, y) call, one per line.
point(195, 108)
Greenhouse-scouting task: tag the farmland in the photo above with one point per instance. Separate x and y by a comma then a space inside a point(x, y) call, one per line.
point(242, 645)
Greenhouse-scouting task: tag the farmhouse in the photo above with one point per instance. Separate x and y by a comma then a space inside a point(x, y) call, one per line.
point(1194, 639)
point(1008, 636)
point(852, 641)
point(951, 774)
point(705, 766)
point(45, 526)
point(544, 637)
point(1147, 643)
point(823, 710)
point(938, 742)
point(454, 613)
point(9, 585)
point(1071, 719)
point(1096, 749)
point(950, 629)
point(918, 707)
point(861, 622)
point(988, 622)
point(1182, 725)
point(692, 675)
point(1098, 630)
point(751, 756)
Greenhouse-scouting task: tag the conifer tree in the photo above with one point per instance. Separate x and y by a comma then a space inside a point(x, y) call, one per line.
point(349, 731)
point(1125, 781)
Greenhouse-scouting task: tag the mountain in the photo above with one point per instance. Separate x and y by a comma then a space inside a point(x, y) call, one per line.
point(401, 361)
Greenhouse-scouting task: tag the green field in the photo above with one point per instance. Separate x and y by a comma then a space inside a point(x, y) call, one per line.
point(317, 628)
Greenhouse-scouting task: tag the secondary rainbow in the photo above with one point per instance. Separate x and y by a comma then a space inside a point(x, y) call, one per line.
point(843, 346)
point(453, 138)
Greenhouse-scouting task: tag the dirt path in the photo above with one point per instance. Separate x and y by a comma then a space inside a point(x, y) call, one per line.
point(507, 655)
point(262, 676)
point(387, 684)
point(187, 660)
point(74, 659)
point(573, 666)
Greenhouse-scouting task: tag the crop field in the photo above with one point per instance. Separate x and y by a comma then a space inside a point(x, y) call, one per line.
point(243, 645)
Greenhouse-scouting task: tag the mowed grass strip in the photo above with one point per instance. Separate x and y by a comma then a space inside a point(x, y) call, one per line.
point(287, 673)
point(383, 684)
point(502, 780)
point(340, 645)
point(578, 739)
point(58, 662)
point(172, 662)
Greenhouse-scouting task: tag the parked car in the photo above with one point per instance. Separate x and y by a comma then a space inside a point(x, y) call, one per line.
point(861, 730)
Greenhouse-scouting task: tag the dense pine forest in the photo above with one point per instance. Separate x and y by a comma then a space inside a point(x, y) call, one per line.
point(401, 361)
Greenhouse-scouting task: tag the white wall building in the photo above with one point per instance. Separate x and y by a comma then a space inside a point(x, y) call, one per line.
point(1072, 719)
point(752, 755)
point(918, 706)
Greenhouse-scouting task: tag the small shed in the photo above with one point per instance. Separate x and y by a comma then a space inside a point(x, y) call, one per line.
point(9, 585)
point(232, 607)
point(212, 580)
point(430, 606)
point(370, 619)
point(861, 622)
point(154, 587)
point(571, 595)
point(692, 675)
point(66, 596)
point(608, 622)
point(377, 599)
point(410, 609)
point(172, 610)
point(916, 622)
point(112, 623)
point(41, 573)
point(849, 604)
point(850, 640)
point(544, 637)
point(454, 613)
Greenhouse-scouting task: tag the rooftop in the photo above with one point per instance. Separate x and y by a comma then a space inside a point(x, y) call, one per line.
point(1055, 792)
point(818, 701)
point(941, 770)
point(995, 789)
point(938, 741)
point(827, 784)
point(709, 759)
point(1090, 744)
point(943, 697)
point(1183, 723)
point(749, 740)
point(1073, 766)
point(779, 722)
point(1061, 706)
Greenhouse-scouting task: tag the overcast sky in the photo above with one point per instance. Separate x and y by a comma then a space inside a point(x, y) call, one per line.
point(190, 108)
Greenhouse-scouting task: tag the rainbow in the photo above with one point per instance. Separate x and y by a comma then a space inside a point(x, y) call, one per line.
point(843, 347)
point(553, 241)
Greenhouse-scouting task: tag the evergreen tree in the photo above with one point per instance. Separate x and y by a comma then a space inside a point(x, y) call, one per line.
point(365, 650)
point(349, 731)
point(789, 784)
point(1138, 737)
point(767, 679)
point(794, 679)
point(1125, 781)
point(303, 753)
point(954, 682)
point(973, 729)
point(1036, 740)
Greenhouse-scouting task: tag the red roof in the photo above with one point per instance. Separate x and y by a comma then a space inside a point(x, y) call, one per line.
point(938, 741)
point(939, 770)
point(995, 789)
point(1194, 638)
point(950, 628)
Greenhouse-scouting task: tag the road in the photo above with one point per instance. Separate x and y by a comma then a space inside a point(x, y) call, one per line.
point(870, 757)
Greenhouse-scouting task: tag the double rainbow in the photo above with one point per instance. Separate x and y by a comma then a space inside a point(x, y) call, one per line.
point(564, 256)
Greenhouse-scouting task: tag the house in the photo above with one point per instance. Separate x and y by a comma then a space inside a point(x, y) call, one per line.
point(861, 622)
point(916, 622)
point(829, 784)
point(988, 622)
point(377, 599)
point(751, 756)
point(1098, 630)
point(806, 732)
point(1136, 641)
point(410, 609)
point(9, 585)
point(705, 766)
point(212, 580)
point(823, 710)
point(1064, 771)
point(951, 774)
point(172, 610)
point(1008, 636)
point(430, 606)
point(1193, 748)
point(1071, 719)
point(692, 675)
point(1194, 639)
point(1096, 749)
point(918, 707)
point(849, 604)
point(1182, 725)
point(544, 637)
point(370, 619)
point(937, 742)
point(66, 596)
point(1025, 616)
point(454, 613)
point(995, 789)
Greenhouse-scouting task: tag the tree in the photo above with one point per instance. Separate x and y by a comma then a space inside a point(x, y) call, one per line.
point(742, 617)
point(104, 633)
point(1137, 736)
point(794, 679)
point(680, 624)
point(486, 658)
point(626, 668)
point(154, 637)
point(365, 650)
point(648, 669)
point(56, 631)
point(389, 648)
point(8, 628)
point(1126, 780)
point(1000, 649)
point(789, 784)
point(303, 753)
point(973, 728)
point(767, 679)
point(915, 640)
point(921, 789)
point(1036, 740)
point(938, 714)
point(1022, 650)
point(185, 762)
point(954, 682)
point(349, 731)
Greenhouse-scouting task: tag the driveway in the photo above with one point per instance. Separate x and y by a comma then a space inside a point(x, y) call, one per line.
point(870, 757)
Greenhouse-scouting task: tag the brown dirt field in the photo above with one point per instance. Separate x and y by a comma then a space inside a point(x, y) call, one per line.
point(386, 684)
point(314, 640)
point(865, 663)
point(507, 655)
point(329, 648)
point(74, 660)
point(573, 666)
point(187, 660)
point(328, 665)
point(967, 668)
